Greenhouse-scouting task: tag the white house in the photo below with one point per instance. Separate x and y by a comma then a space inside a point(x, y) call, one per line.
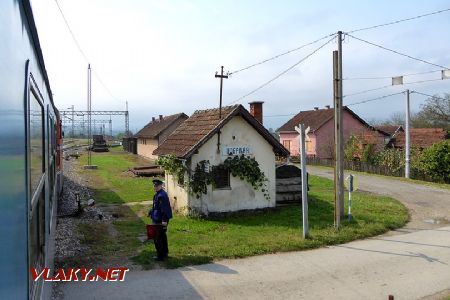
point(206, 136)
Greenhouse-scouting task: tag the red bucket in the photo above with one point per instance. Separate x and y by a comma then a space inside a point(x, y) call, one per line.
point(151, 231)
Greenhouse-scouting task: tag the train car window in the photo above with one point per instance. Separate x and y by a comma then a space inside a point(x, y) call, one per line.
point(36, 166)
point(36, 121)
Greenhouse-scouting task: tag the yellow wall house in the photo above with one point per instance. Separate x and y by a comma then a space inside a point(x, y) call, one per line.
point(155, 133)
point(207, 137)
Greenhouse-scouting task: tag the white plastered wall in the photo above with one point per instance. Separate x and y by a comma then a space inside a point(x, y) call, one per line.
point(241, 195)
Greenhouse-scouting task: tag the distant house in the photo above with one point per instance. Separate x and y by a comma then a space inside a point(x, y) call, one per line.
point(320, 139)
point(392, 130)
point(155, 133)
point(420, 137)
point(207, 137)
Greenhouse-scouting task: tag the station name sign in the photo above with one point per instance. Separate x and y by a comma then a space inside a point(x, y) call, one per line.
point(237, 150)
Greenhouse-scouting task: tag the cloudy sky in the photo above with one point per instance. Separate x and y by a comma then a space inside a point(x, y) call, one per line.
point(161, 56)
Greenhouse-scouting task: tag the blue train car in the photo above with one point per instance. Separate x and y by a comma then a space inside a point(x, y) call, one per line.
point(30, 162)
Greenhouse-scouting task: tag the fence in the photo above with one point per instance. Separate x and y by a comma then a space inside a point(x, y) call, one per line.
point(368, 168)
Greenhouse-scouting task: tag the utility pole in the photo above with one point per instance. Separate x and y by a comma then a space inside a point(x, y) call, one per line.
point(337, 211)
point(110, 128)
point(338, 135)
point(340, 149)
point(221, 76)
point(73, 118)
point(127, 121)
point(407, 136)
point(303, 133)
point(89, 115)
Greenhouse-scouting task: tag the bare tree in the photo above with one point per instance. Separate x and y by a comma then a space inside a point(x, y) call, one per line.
point(436, 111)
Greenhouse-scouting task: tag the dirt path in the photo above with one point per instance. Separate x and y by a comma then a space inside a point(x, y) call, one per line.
point(429, 207)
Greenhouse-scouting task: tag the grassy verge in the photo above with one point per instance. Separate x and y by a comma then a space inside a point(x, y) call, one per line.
point(112, 182)
point(195, 241)
point(416, 181)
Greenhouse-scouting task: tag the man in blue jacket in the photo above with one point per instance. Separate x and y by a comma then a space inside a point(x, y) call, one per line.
point(160, 215)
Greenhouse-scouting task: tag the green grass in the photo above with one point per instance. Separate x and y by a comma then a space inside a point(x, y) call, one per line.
point(203, 240)
point(196, 240)
point(112, 182)
point(422, 182)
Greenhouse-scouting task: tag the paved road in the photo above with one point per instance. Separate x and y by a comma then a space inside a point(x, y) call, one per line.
point(429, 207)
point(412, 265)
point(408, 266)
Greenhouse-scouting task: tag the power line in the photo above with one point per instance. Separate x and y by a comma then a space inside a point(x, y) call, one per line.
point(387, 86)
point(82, 52)
point(329, 35)
point(369, 90)
point(390, 77)
point(71, 33)
point(423, 94)
point(374, 99)
point(274, 116)
point(282, 73)
point(282, 54)
point(400, 21)
point(421, 81)
point(396, 52)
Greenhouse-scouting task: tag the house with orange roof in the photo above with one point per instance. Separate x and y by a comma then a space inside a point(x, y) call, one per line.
point(212, 136)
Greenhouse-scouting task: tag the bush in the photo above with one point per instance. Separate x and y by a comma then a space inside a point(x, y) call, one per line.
point(435, 161)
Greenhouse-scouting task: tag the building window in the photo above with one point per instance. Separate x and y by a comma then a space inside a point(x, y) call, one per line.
point(287, 144)
point(309, 146)
point(221, 177)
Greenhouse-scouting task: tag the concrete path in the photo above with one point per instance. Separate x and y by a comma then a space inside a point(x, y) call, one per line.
point(429, 206)
point(408, 266)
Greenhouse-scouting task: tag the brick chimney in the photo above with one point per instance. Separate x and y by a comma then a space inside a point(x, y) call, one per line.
point(256, 110)
point(153, 119)
point(160, 117)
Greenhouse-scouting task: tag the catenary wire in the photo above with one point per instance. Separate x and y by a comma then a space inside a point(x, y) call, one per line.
point(399, 21)
point(374, 99)
point(389, 77)
point(397, 52)
point(351, 31)
point(387, 86)
point(282, 54)
point(428, 95)
point(82, 52)
point(282, 73)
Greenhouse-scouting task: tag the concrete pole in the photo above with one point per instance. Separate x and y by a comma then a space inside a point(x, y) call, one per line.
point(337, 210)
point(340, 148)
point(302, 137)
point(73, 120)
point(407, 136)
point(304, 182)
point(89, 115)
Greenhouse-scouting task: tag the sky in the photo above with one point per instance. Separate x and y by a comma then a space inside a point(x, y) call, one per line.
point(161, 56)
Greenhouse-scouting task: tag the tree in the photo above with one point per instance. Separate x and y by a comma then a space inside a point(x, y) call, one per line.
point(435, 161)
point(436, 111)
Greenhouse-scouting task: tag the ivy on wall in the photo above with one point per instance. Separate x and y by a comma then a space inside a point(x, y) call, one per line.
point(243, 167)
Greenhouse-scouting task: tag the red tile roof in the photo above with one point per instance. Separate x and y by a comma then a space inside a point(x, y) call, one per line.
point(421, 137)
point(374, 137)
point(154, 128)
point(390, 129)
point(314, 119)
point(203, 124)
